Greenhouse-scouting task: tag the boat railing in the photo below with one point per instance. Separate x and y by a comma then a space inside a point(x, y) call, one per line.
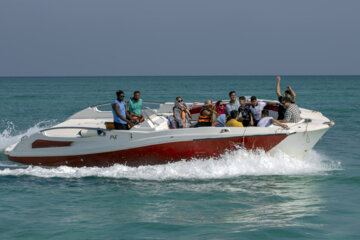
point(74, 127)
point(108, 103)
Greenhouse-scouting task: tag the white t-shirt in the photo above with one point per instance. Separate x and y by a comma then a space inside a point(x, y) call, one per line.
point(256, 111)
point(265, 122)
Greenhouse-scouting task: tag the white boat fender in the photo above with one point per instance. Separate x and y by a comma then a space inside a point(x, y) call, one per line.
point(91, 132)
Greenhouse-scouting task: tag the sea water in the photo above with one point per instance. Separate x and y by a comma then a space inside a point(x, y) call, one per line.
point(241, 195)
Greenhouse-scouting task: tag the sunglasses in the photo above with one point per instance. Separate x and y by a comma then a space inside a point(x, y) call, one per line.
point(180, 100)
point(220, 105)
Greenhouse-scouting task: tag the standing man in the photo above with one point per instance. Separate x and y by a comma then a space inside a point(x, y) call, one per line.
point(289, 92)
point(134, 106)
point(119, 112)
point(233, 104)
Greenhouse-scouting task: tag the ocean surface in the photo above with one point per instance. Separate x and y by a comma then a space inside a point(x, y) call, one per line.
point(241, 195)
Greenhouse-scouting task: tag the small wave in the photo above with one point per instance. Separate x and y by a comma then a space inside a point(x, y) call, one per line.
point(229, 165)
point(8, 138)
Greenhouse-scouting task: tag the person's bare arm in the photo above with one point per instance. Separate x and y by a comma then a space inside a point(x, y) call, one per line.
point(293, 94)
point(278, 91)
point(215, 123)
point(278, 122)
point(272, 103)
point(117, 111)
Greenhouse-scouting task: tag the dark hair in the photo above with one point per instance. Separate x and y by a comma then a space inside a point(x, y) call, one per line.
point(288, 92)
point(136, 92)
point(253, 98)
point(231, 92)
point(242, 98)
point(286, 99)
point(119, 92)
point(265, 112)
point(234, 114)
point(177, 98)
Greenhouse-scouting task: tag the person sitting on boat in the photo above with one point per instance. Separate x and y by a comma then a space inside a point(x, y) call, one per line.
point(234, 117)
point(205, 118)
point(121, 116)
point(134, 107)
point(266, 121)
point(220, 121)
point(219, 108)
point(292, 114)
point(233, 104)
point(181, 113)
point(245, 115)
point(289, 92)
point(257, 107)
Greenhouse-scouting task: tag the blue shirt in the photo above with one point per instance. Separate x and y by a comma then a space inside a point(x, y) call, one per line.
point(122, 112)
point(222, 120)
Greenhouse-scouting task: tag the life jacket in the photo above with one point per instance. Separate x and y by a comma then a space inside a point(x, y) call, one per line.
point(205, 119)
point(183, 112)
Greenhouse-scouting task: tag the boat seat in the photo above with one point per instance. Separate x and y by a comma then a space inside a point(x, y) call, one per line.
point(109, 125)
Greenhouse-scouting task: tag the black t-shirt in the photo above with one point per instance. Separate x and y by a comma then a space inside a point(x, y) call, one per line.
point(282, 110)
point(244, 112)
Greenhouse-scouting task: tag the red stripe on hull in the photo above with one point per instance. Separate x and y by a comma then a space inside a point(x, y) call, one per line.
point(46, 144)
point(157, 154)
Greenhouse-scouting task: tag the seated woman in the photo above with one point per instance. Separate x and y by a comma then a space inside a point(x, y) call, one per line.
point(220, 121)
point(181, 113)
point(219, 109)
point(205, 118)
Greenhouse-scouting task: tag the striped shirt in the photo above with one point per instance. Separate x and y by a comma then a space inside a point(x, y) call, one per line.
point(292, 114)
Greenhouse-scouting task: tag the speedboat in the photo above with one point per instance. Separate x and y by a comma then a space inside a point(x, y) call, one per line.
point(85, 139)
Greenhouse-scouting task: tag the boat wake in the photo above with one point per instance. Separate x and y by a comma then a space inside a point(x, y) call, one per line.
point(8, 136)
point(229, 165)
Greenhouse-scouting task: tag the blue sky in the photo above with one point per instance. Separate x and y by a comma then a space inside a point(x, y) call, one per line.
point(165, 37)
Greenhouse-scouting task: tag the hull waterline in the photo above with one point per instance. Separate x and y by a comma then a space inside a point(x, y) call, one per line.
point(159, 153)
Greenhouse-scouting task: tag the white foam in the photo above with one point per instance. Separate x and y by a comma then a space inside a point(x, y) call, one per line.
point(6, 138)
point(232, 164)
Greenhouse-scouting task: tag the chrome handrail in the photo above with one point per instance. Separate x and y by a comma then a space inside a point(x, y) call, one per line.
point(108, 103)
point(75, 127)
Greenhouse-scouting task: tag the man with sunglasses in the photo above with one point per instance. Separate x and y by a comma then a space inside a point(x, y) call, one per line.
point(119, 112)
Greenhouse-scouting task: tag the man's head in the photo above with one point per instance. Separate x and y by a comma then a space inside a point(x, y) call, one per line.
point(287, 93)
point(234, 114)
point(264, 113)
point(136, 95)
point(232, 96)
point(120, 95)
point(254, 101)
point(208, 102)
point(242, 101)
point(286, 102)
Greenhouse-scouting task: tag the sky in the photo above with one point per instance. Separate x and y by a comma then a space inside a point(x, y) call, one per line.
point(184, 37)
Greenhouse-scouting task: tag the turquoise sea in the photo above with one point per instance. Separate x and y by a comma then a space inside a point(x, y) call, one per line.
point(242, 195)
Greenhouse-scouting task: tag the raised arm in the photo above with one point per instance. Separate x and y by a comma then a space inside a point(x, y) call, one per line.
point(278, 91)
point(293, 94)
